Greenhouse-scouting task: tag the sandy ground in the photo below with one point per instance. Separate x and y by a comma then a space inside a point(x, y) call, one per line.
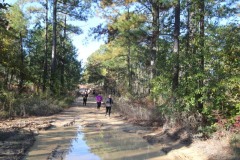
point(176, 146)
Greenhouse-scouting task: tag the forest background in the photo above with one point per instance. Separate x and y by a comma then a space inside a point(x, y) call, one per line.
point(175, 62)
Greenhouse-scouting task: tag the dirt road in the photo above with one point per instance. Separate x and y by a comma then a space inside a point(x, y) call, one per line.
point(165, 145)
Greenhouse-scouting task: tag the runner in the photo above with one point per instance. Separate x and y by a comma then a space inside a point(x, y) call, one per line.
point(109, 103)
point(85, 96)
point(84, 100)
point(99, 100)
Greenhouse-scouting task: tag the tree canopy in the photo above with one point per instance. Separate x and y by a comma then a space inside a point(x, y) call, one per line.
point(37, 55)
point(183, 54)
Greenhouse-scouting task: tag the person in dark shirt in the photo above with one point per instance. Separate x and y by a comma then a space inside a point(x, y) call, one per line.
point(85, 96)
point(84, 100)
point(109, 102)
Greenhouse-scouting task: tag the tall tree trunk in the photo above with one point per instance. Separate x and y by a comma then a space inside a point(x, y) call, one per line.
point(129, 59)
point(64, 52)
point(176, 47)
point(187, 51)
point(46, 49)
point(10, 80)
point(129, 68)
point(191, 44)
point(20, 85)
point(6, 75)
point(54, 60)
point(155, 36)
point(201, 65)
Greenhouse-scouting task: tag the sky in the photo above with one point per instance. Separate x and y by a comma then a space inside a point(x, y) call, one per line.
point(85, 46)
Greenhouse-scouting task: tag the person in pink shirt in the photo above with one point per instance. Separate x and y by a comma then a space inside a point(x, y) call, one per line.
point(99, 100)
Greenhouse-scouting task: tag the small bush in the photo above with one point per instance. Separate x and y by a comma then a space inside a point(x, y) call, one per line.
point(27, 104)
point(4, 114)
point(207, 131)
point(138, 111)
point(43, 108)
point(36, 106)
point(64, 102)
point(7, 99)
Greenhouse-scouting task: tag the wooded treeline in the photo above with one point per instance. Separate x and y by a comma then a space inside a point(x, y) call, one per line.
point(183, 55)
point(37, 56)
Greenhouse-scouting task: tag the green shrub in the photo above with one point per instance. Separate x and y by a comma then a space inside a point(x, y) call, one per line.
point(64, 102)
point(12, 104)
point(36, 106)
point(207, 131)
point(4, 115)
point(43, 108)
point(7, 99)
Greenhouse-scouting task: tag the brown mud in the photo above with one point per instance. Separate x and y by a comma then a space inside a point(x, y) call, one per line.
point(18, 135)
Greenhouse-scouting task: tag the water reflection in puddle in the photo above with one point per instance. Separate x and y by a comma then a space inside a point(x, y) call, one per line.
point(93, 144)
point(54, 142)
point(76, 143)
point(80, 150)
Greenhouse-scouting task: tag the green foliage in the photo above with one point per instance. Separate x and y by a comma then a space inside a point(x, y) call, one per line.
point(161, 85)
point(43, 105)
point(7, 100)
point(17, 20)
point(207, 131)
point(24, 52)
point(4, 115)
point(223, 80)
point(36, 106)
point(208, 82)
point(64, 102)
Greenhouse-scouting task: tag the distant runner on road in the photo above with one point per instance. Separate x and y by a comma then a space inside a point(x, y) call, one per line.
point(85, 100)
point(99, 100)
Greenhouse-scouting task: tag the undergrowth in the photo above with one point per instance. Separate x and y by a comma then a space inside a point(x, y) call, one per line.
point(12, 104)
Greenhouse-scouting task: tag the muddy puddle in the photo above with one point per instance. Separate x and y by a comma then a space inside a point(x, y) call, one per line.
point(90, 143)
point(52, 144)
